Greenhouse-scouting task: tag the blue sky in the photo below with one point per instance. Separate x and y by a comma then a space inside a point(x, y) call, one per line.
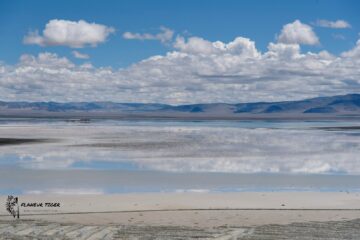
point(318, 25)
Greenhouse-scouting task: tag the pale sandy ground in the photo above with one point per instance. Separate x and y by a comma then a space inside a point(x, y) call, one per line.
point(268, 215)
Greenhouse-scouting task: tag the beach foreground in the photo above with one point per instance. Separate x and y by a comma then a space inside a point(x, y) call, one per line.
point(245, 215)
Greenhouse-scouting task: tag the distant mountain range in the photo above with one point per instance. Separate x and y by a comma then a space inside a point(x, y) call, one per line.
point(336, 106)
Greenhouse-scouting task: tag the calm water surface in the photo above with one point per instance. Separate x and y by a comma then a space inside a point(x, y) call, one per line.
point(106, 156)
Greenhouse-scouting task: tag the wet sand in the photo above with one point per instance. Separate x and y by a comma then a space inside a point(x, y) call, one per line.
point(266, 215)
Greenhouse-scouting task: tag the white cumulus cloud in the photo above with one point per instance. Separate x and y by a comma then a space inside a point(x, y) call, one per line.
point(195, 70)
point(332, 24)
point(196, 45)
point(70, 33)
point(353, 53)
point(298, 33)
point(80, 55)
point(165, 35)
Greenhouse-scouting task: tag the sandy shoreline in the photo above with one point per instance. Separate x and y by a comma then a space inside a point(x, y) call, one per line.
point(157, 208)
point(245, 215)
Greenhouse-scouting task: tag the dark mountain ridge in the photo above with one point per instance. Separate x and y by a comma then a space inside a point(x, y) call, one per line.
point(336, 105)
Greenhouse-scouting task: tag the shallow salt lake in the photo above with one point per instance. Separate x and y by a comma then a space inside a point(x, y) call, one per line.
point(108, 156)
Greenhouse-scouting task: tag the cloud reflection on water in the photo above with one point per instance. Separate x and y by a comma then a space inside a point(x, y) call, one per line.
point(187, 147)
